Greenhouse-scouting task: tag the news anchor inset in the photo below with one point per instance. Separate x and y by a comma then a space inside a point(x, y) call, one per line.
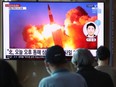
point(90, 30)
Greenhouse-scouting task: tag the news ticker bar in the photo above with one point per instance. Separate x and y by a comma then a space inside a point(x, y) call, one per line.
point(31, 52)
point(23, 57)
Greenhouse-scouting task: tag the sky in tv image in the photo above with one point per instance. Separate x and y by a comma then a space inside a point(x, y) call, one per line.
point(40, 25)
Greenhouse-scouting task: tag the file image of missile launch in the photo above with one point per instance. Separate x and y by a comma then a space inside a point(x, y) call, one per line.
point(50, 15)
point(66, 31)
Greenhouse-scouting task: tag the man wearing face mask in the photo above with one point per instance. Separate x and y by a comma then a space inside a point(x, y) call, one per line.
point(60, 76)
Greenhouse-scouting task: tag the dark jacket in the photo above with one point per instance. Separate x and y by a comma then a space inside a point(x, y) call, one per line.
point(95, 78)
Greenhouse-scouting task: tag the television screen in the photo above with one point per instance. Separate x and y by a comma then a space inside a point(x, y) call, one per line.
point(29, 28)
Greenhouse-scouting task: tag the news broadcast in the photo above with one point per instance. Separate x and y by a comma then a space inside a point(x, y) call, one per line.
point(29, 28)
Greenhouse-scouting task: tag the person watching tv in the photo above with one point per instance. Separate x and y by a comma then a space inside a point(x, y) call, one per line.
point(103, 56)
point(83, 60)
point(60, 76)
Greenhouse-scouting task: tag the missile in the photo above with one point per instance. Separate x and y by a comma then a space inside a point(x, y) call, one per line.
point(50, 15)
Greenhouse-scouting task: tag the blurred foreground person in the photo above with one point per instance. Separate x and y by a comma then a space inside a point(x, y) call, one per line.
point(8, 77)
point(60, 76)
point(103, 56)
point(83, 60)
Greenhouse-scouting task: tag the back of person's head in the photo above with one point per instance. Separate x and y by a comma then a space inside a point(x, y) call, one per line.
point(55, 55)
point(82, 57)
point(103, 53)
point(8, 77)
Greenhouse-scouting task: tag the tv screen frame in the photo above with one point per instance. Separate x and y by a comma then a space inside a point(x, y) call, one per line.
point(14, 48)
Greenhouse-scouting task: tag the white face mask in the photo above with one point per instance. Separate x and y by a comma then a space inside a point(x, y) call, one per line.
point(48, 70)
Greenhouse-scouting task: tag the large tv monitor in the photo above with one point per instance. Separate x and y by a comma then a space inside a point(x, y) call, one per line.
point(29, 28)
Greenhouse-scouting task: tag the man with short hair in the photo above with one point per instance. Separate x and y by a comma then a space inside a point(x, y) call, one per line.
point(55, 63)
point(91, 28)
point(103, 56)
